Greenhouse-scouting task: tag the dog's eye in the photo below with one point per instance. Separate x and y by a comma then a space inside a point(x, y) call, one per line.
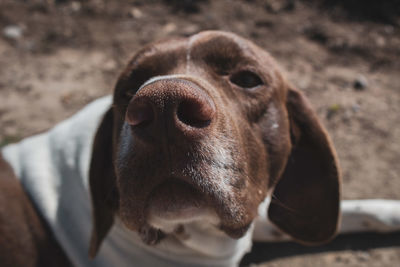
point(246, 79)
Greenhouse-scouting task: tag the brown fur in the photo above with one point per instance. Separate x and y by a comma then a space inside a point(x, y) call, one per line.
point(298, 158)
point(271, 138)
point(25, 240)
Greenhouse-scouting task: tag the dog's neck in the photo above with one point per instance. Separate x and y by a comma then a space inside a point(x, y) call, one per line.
point(197, 244)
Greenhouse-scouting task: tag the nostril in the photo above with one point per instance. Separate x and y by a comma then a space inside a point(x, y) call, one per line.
point(139, 114)
point(196, 113)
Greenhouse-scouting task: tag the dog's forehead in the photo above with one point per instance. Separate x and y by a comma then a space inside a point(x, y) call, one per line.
point(201, 46)
point(205, 40)
point(220, 42)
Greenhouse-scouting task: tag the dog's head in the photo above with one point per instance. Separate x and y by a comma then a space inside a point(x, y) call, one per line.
point(204, 128)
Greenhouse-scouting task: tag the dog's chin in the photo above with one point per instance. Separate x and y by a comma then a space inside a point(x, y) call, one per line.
point(174, 203)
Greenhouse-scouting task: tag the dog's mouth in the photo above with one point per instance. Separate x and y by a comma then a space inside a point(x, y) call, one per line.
point(176, 202)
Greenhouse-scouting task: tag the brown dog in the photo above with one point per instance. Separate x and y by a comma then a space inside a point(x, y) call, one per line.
point(201, 131)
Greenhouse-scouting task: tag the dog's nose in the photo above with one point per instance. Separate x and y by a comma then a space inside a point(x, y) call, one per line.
point(140, 113)
point(171, 105)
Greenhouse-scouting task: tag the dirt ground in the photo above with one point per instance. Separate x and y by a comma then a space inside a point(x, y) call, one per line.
point(56, 56)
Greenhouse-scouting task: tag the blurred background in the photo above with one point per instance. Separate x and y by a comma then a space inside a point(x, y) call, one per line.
point(58, 55)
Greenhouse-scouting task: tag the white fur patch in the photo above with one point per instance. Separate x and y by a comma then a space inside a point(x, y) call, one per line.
point(169, 225)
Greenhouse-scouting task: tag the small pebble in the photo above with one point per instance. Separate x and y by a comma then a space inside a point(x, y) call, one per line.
point(380, 41)
point(76, 6)
point(136, 13)
point(355, 108)
point(169, 28)
point(12, 32)
point(360, 83)
point(190, 29)
point(109, 65)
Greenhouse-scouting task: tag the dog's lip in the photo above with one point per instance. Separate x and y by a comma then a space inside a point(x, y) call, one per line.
point(175, 200)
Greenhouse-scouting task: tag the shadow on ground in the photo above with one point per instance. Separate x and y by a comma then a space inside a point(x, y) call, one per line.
point(264, 252)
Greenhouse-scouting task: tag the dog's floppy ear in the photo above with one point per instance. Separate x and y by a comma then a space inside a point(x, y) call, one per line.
point(102, 183)
point(305, 201)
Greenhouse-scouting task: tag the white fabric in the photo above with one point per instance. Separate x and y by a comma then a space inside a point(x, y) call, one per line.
point(53, 167)
point(376, 215)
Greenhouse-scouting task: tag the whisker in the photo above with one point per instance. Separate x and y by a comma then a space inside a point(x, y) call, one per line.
point(283, 205)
